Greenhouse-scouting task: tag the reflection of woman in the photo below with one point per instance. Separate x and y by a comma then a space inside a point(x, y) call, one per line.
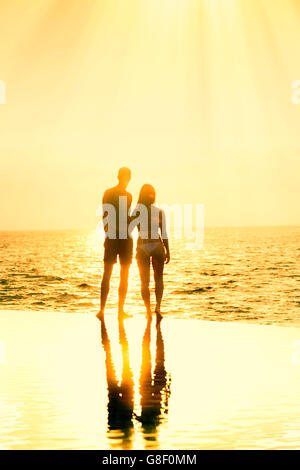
point(152, 247)
point(154, 391)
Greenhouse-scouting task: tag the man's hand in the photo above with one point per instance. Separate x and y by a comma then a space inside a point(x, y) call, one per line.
point(167, 257)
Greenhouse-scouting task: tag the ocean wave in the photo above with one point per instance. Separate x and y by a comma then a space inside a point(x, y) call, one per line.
point(46, 278)
point(84, 285)
point(192, 291)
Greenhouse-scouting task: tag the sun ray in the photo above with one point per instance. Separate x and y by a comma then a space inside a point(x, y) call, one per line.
point(194, 86)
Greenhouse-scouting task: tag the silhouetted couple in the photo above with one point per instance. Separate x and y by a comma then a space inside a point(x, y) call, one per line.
point(152, 244)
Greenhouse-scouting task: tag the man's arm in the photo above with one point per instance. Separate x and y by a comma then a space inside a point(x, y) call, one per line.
point(129, 211)
point(104, 213)
point(129, 201)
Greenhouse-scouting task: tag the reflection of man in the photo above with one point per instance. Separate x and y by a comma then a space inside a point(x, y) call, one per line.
point(120, 397)
point(117, 241)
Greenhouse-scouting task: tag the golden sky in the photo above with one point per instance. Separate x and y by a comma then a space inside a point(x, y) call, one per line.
point(193, 95)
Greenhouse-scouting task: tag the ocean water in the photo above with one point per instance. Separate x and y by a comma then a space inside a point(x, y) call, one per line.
point(248, 274)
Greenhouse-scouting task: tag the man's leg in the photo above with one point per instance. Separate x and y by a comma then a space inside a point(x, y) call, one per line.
point(125, 258)
point(123, 286)
point(108, 267)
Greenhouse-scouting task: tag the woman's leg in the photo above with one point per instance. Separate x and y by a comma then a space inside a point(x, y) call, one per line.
point(158, 268)
point(144, 268)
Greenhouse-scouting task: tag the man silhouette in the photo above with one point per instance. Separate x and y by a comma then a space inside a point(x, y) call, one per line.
point(117, 239)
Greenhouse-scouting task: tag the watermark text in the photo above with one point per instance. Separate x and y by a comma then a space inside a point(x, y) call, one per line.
point(296, 92)
point(178, 221)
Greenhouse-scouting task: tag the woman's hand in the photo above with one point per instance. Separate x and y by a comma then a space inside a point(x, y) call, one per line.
point(167, 260)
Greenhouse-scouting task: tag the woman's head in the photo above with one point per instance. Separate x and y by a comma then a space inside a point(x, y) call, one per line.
point(147, 195)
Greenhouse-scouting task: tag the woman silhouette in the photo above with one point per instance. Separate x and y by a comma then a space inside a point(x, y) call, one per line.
point(155, 389)
point(152, 246)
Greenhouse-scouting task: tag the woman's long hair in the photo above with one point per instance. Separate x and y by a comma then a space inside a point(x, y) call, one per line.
point(147, 195)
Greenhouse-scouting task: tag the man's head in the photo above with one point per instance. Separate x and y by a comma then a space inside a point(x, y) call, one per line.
point(124, 176)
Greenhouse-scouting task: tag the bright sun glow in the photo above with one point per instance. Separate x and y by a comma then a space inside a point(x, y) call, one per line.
point(179, 90)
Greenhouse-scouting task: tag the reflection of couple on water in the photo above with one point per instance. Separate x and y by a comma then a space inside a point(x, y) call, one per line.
point(152, 243)
point(154, 388)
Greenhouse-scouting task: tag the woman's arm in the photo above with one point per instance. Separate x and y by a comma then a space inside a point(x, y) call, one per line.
point(164, 235)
